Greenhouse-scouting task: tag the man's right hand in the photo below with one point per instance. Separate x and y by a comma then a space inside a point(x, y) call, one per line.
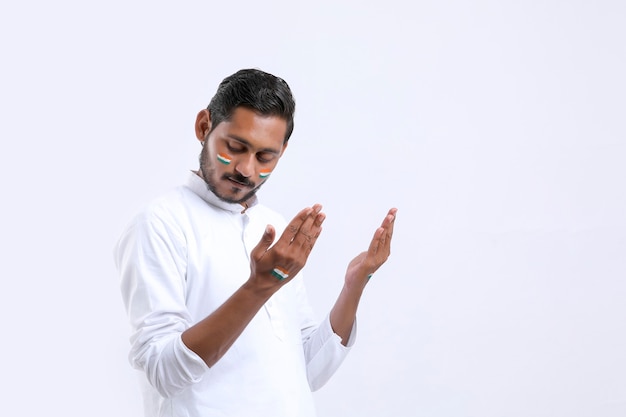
point(289, 254)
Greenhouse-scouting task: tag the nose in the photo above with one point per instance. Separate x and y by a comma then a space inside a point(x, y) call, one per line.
point(245, 166)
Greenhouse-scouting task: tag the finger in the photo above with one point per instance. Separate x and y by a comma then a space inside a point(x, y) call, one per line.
point(311, 223)
point(266, 241)
point(294, 226)
point(384, 233)
point(310, 229)
point(389, 218)
point(310, 243)
point(319, 219)
point(394, 214)
point(388, 223)
point(377, 241)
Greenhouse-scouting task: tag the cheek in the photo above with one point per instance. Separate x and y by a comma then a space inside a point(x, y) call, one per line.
point(224, 158)
point(264, 173)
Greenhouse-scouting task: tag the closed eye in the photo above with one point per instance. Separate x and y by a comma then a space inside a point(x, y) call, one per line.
point(265, 157)
point(235, 149)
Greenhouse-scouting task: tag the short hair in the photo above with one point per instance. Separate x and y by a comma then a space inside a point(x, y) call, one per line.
point(257, 90)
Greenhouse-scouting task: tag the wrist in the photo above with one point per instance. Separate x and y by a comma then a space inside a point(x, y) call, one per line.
point(355, 285)
point(259, 289)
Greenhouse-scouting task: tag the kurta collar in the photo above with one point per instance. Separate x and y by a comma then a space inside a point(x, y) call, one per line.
point(198, 186)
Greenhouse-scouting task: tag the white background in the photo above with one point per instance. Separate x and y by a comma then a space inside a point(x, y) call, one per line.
point(496, 127)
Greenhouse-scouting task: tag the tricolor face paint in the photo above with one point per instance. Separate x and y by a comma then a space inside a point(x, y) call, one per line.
point(264, 173)
point(224, 158)
point(280, 273)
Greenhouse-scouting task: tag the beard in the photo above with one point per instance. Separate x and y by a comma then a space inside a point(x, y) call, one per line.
point(207, 168)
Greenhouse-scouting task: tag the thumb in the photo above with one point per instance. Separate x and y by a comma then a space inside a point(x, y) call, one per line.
point(266, 241)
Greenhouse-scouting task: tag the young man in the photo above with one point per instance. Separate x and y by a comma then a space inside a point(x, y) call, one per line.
point(221, 325)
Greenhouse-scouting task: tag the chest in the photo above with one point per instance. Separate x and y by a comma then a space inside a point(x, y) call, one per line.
point(218, 259)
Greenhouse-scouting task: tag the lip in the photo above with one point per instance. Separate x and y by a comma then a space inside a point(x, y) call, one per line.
point(238, 184)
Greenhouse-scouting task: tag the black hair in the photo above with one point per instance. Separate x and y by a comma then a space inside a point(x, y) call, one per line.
point(257, 90)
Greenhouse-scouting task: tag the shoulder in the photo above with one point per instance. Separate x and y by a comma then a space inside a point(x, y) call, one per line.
point(155, 229)
point(167, 211)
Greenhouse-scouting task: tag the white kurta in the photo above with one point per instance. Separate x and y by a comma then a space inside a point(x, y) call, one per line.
point(180, 259)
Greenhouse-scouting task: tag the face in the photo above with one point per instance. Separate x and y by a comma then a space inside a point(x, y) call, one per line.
point(238, 155)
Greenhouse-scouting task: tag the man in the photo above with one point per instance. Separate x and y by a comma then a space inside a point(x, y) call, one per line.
point(220, 321)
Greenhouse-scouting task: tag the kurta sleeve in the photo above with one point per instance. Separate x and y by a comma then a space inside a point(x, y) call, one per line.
point(324, 353)
point(151, 259)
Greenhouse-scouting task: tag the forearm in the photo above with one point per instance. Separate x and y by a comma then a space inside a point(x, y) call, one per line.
point(343, 313)
point(215, 334)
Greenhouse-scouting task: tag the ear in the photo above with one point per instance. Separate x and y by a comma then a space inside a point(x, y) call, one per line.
point(203, 124)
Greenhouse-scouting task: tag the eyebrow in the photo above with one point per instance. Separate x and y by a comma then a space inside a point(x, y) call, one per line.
point(248, 144)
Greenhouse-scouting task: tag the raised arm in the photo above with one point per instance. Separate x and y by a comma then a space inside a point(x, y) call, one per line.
point(359, 271)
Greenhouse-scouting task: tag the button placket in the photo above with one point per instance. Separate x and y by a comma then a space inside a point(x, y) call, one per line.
point(252, 233)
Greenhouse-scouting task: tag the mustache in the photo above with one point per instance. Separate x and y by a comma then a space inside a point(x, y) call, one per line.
point(240, 179)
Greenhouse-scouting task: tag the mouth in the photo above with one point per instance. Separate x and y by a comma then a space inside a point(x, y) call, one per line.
point(240, 183)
